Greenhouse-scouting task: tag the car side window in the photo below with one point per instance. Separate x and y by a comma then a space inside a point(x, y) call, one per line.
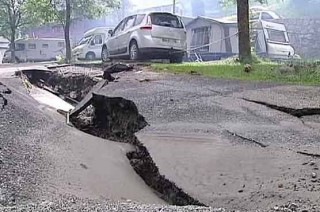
point(129, 22)
point(119, 28)
point(139, 19)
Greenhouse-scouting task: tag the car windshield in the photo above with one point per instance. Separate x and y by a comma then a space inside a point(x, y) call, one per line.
point(166, 20)
point(85, 40)
point(277, 36)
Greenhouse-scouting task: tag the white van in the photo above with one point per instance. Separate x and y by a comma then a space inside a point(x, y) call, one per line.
point(37, 49)
point(90, 46)
point(271, 40)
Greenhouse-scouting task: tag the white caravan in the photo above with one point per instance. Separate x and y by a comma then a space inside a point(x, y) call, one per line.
point(4, 46)
point(37, 49)
point(90, 46)
point(271, 40)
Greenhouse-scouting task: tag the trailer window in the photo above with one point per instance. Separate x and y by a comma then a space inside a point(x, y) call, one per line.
point(45, 46)
point(277, 36)
point(32, 46)
point(20, 47)
point(201, 38)
point(61, 44)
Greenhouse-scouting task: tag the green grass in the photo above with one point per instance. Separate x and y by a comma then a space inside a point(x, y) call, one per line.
point(305, 74)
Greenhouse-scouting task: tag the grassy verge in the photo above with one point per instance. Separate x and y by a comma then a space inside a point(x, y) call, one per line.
point(306, 74)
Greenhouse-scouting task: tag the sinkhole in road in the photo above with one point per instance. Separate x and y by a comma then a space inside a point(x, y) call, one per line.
point(112, 118)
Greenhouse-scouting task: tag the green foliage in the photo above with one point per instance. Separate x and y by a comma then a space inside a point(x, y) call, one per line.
point(300, 8)
point(306, 74)
point(13, 17)
point(55, 10)
point(228, 3)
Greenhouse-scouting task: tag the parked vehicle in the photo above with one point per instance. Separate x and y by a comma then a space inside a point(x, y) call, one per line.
point(212, 39)
point(90, 45)
point(37, 49)
point(4, 46)
point(271, 40)
point(263, 15)
point(155, 35)
point(257, 14)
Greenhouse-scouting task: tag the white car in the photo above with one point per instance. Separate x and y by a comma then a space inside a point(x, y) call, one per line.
point(156, 35)
point(263, 15)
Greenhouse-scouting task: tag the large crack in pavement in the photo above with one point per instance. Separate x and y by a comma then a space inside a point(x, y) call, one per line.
point(3, 91)
point(116, 119)
point(3, 102)
point(291, 111)
point(72, 87)
point(247, 139)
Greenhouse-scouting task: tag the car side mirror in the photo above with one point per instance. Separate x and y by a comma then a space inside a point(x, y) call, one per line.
point(110, 32)
point(92, 43)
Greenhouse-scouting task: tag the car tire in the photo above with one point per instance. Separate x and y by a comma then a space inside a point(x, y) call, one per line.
point(176, 59)
point(105, 54)
point(90, 56)
point(134, 51)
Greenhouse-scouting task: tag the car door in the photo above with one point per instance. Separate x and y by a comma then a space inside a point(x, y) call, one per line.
point(96, 44)
point(124, 35)
point(112, 43)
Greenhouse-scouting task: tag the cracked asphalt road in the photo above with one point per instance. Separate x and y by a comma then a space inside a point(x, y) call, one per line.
point(196, 132)
point(190, 117)
point(41, 158)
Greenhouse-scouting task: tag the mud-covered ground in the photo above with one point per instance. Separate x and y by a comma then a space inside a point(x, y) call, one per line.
point(218, 140)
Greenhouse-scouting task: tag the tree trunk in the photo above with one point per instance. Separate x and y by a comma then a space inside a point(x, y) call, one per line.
point(244, 33)
point(67, 32)
point(13, 45)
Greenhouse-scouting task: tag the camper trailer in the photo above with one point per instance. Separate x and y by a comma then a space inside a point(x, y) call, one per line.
point(4, 46)
point(212, 39)
point(37, 49)
point(271, 40)
point(90, 46)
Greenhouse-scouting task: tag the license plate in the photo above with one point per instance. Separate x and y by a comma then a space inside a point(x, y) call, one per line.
point(169, 40)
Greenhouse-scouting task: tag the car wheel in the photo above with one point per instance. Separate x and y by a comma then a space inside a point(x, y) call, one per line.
point(90, 56)
point(176, 59)
point(134, 51)
point(105, 54)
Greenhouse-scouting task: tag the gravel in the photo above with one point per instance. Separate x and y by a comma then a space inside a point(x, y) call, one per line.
point(72, 203)
point(19, 152)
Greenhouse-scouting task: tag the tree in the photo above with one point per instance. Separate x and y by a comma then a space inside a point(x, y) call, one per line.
point(243, 27)
point(13, 17)
point(244, 31)
point(64, 11)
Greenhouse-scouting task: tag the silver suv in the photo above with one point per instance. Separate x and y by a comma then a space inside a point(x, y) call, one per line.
point(156, 35)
